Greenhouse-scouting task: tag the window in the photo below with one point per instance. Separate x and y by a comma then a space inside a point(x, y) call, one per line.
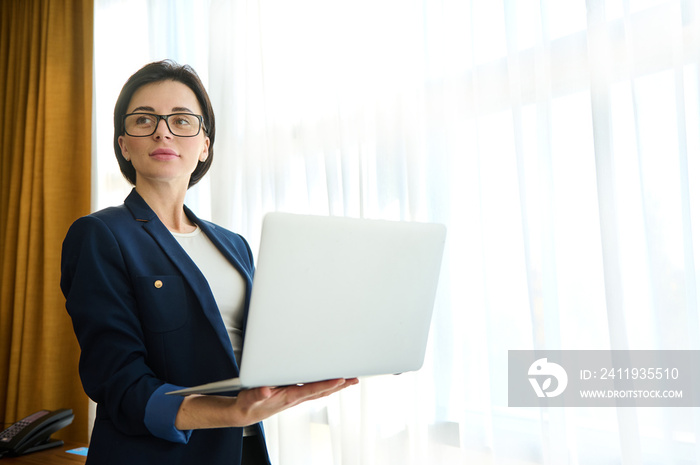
point(559, 144)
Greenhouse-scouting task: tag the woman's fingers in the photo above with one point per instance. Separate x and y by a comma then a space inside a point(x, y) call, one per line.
point(260, 403)
point(328, 390)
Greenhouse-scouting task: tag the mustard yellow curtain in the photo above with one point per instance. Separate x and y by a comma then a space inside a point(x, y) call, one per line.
point(45, 144)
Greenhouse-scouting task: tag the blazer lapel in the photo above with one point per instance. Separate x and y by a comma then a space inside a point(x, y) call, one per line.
point(190, 272)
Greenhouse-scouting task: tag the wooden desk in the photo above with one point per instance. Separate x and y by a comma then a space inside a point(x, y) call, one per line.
point(53, 456)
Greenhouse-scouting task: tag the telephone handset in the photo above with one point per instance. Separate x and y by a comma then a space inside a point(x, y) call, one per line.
point(33, 433)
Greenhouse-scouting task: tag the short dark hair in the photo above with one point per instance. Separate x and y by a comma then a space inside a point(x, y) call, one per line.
point(166, 70)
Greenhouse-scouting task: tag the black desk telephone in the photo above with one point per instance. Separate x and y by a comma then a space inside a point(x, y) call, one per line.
point(33, 433)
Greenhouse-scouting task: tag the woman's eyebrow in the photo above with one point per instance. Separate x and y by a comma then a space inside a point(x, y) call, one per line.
point(175, 109)
point(142, 109)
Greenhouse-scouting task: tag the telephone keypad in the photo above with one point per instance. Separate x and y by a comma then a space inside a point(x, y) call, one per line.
point(9, 433)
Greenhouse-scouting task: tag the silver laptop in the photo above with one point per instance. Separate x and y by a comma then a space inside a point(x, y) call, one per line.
point(337, 297)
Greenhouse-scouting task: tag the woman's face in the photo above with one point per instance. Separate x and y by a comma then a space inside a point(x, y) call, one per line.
point(163, 157)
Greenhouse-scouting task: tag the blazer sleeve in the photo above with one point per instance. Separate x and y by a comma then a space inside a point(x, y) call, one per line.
point(101, 302)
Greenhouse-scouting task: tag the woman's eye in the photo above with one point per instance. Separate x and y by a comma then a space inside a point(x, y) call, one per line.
point(144, 120)
point(183, 121)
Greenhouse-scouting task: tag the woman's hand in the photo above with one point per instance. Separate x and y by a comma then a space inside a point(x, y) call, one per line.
point(252, 405)
point(258, 404)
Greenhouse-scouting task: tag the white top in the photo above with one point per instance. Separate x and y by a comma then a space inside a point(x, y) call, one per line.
point(225, 281)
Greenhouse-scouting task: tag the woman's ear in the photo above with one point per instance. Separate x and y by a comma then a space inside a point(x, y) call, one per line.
point(123, 147)
point(205, 151)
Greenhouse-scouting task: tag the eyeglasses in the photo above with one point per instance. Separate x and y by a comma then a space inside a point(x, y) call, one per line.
point(179, 124)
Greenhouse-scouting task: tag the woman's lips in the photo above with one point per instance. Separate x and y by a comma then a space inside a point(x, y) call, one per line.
point(163, 154)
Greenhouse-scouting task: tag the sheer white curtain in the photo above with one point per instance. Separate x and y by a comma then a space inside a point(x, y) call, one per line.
point(559, 143)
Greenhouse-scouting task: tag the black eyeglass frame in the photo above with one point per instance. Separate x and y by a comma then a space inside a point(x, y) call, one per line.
point(164, 118)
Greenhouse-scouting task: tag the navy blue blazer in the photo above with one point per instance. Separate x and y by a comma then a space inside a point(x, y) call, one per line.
point(147, 323)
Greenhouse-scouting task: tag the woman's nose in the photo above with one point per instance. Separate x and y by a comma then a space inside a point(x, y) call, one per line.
point(162, 129)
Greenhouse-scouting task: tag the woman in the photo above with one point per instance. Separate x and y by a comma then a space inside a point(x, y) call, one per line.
point(158, 297)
